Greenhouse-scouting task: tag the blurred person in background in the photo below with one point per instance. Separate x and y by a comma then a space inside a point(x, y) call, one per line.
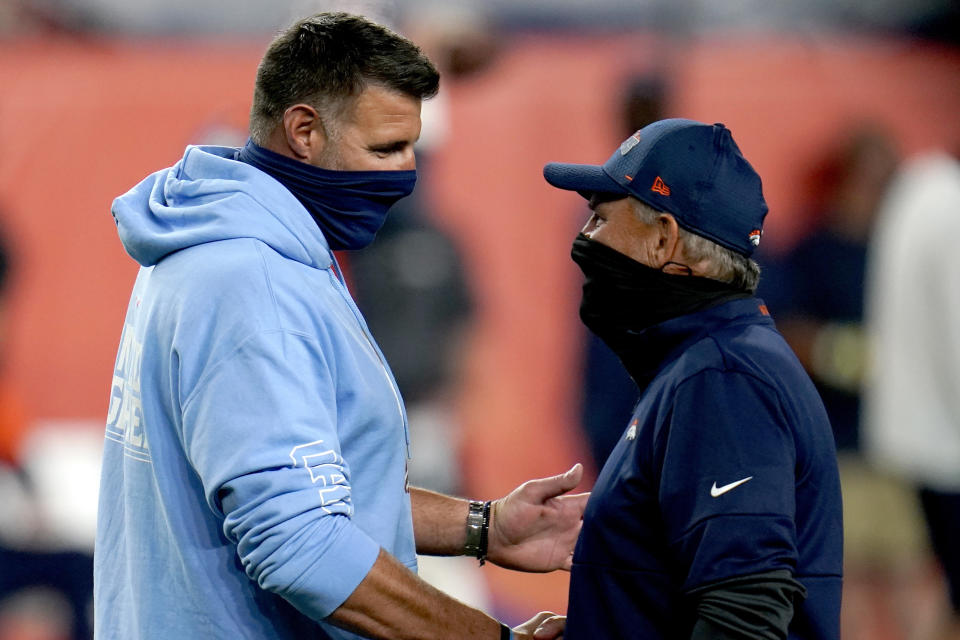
point(256, 444)
point(44, 593)
point(816, 292)
point(718, 514)
point(912, 408)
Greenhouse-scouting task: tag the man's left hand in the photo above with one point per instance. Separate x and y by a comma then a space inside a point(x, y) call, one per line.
point(535, 527)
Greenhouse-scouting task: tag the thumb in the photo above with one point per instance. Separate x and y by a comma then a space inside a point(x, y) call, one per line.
point(546, 488)
point(550, 628)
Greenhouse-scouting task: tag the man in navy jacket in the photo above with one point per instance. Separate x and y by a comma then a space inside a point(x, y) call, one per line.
point(718, 514)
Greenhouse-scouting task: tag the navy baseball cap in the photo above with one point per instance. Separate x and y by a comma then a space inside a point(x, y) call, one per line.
point(692, 170)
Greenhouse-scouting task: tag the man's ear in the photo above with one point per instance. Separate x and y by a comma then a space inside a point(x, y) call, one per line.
point(668, 244)
point(303, 132)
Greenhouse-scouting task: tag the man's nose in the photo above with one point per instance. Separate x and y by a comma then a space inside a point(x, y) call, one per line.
point(409, 160)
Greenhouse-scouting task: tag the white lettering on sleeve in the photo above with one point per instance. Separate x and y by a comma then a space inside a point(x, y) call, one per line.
point(327, 469)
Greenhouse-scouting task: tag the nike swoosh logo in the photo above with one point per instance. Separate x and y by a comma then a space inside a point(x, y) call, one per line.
point(716, 491)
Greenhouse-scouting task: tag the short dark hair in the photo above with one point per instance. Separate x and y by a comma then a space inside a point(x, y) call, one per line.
point(329, 58)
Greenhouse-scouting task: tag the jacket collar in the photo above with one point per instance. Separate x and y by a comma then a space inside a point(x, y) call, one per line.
point(653, 349)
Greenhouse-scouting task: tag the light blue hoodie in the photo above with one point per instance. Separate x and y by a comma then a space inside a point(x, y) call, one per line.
point(256, 444)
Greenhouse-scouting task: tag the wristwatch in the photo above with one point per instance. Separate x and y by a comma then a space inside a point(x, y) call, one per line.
point(478, 528)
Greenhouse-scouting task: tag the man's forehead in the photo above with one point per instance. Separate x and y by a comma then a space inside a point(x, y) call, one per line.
point(383, 119)
point(379, 105)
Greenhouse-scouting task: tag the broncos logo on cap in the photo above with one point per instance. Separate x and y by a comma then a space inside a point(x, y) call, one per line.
point(630, 143)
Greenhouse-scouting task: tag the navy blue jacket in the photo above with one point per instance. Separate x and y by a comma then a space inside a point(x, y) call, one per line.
point(727, 469)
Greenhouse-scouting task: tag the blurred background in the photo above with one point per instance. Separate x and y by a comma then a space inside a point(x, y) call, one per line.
point(469, 287)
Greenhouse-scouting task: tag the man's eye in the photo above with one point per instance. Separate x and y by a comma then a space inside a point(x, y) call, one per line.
point(387, 150)
point(594, 222)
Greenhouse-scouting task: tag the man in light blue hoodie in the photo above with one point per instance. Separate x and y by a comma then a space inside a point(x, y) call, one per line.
point(254, 479)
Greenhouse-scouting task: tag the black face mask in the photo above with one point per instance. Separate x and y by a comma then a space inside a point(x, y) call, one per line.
point(622, 297)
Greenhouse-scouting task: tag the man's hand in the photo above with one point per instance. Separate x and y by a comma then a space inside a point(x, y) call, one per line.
point(543, 626)
point(535, 527)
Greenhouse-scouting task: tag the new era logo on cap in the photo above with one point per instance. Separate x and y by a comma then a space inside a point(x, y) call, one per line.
point(660, 187)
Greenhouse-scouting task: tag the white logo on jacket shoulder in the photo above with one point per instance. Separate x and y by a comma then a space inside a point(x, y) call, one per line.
point(716, 492)
point(632, 431)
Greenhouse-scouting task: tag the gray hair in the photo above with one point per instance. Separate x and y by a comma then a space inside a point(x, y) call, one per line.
point(724, 264)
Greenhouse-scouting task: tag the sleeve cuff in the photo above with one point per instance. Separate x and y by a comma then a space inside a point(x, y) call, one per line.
point(330, 580)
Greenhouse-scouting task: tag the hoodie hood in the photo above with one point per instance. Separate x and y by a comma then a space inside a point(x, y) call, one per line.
point(210, 196)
